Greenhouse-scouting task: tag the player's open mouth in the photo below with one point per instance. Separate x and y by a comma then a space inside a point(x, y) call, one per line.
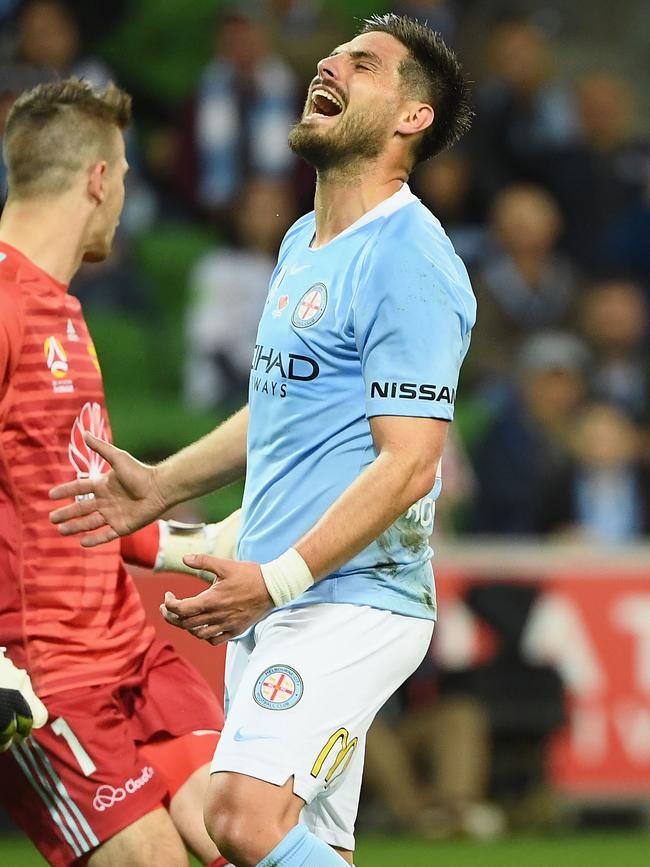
point(323, 102)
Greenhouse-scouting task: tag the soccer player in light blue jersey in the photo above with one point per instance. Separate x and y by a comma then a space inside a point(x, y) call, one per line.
point(330, 604)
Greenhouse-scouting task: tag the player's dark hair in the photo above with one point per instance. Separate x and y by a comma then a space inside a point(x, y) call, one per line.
point(430, 72)
point(53, 129)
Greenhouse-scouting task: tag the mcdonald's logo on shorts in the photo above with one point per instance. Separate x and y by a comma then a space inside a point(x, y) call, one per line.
point(340, 749)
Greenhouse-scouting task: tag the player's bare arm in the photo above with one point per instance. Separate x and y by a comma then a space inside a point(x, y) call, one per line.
point(133, 494)
point(409, 450)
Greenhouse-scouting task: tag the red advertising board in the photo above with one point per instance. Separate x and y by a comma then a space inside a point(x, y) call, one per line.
point(591, 621)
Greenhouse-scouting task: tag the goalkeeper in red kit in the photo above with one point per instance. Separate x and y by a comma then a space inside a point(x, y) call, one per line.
point(116, 767)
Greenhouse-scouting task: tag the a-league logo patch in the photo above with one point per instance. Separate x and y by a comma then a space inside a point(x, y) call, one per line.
point(278, 688)
point(311, 306)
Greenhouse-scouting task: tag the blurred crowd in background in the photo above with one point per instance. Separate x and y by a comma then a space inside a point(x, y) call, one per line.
point(547, 201)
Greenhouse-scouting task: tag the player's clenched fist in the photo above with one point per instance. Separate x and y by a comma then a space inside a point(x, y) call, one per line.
point(20, 709)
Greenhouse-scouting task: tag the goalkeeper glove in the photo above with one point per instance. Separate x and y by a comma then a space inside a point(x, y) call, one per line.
point(160, 546)
point(20, 709)
point(176, 539)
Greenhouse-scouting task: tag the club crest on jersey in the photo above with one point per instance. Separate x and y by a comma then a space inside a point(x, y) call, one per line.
point(57, 364)
point(278, 688)
point(311, 306)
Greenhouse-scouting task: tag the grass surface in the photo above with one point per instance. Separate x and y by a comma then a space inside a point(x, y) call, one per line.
point(586, 850)
point(606, 850)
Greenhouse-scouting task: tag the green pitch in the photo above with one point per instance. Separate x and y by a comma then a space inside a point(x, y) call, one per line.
point(588, 850)
point(606, 850)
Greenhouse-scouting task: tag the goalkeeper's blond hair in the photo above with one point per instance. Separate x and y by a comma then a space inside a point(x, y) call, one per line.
point(55, 129)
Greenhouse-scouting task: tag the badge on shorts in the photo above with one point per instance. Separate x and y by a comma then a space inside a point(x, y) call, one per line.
point(278, 688)
point(311, 306)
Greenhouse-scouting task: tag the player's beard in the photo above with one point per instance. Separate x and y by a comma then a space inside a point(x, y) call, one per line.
point(355, 140)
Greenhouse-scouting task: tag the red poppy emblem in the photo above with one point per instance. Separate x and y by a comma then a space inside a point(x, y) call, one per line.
point(283, 300)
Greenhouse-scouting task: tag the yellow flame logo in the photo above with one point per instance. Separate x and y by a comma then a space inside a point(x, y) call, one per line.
point(55, 357)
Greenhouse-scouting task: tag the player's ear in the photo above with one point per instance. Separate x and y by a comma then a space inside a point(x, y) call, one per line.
point(97, 181)
point(415, 118)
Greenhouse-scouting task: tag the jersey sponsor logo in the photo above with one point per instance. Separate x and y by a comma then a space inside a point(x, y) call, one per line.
point(283, 300)
point(311, 306)
point(289, 364)
point(341, 749)
point(278, 688)
point(269, 386)
point(107, 796)
point(413, 391)
point(57, 363)
point(87, 463)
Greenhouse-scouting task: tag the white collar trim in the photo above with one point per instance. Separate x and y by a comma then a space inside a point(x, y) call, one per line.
point(393, 203)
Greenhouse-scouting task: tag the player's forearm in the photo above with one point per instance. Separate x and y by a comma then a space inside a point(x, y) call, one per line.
point(383, 492)
point(212, 462)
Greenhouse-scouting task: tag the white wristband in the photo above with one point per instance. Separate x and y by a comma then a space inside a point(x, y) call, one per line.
point(287, 577)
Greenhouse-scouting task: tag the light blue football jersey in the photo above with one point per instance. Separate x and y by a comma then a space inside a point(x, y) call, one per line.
point(376, 322)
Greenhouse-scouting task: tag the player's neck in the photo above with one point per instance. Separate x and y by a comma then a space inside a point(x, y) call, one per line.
point(48, 235)
point(341, 200)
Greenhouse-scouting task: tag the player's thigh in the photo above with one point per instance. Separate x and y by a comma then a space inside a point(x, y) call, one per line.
point(184, 763)
point(306, 695)
point(186, 811)
point(152, 839)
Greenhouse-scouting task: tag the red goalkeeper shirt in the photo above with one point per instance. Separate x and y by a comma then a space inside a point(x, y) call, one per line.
point(71, 615)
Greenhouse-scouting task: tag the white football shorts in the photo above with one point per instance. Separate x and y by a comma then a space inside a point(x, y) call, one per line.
point(302, 689)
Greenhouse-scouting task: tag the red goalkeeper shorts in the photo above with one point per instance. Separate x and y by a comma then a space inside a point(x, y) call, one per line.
point(109, 755)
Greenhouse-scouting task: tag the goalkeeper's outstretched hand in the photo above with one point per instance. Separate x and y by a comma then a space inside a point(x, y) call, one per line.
point(20, 709)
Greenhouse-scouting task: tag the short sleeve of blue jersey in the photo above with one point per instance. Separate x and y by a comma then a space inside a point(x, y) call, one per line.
point(413, 314)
